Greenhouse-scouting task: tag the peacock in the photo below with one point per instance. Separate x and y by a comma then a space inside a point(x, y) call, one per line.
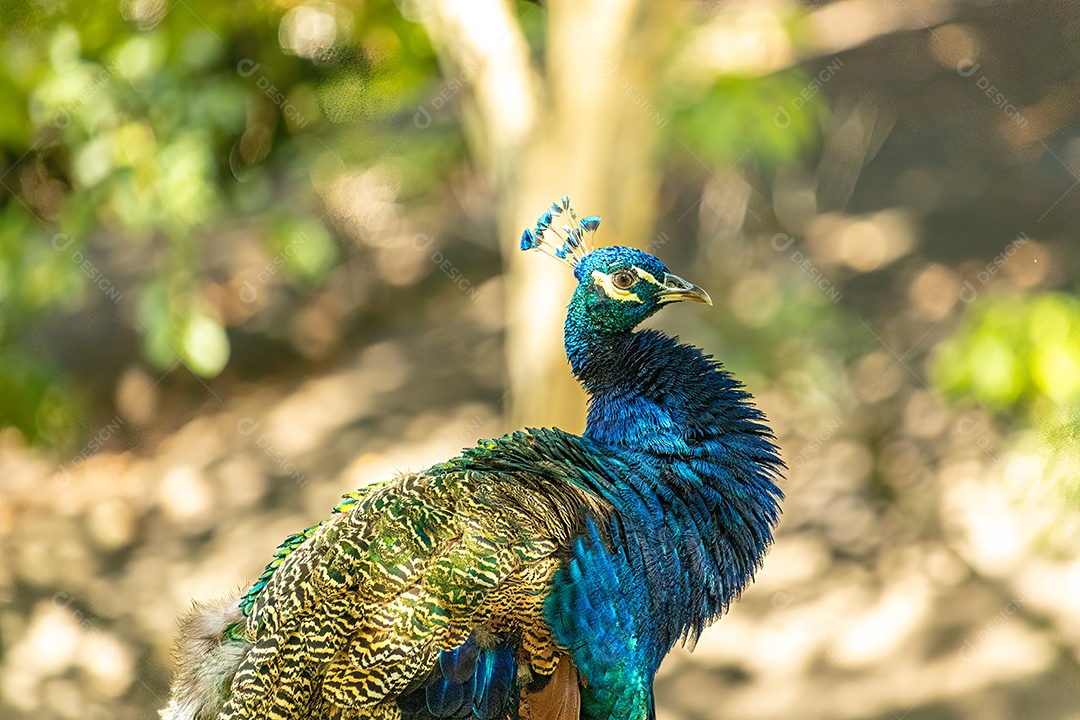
point(541, 575)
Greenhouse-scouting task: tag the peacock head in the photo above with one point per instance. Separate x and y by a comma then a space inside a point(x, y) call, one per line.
point(618, 287)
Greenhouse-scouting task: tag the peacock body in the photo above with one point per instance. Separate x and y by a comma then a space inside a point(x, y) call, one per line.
point(539, 575)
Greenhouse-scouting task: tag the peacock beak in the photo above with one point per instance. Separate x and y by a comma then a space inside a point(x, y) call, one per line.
point(676, 290)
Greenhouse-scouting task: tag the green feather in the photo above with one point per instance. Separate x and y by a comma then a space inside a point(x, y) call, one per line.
point(296, 540)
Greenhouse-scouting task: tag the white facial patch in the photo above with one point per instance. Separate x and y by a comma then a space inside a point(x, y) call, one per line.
point(604, 281)
point(646, 276)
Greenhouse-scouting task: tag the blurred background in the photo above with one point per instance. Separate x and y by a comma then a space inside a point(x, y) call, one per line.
point(253, 255)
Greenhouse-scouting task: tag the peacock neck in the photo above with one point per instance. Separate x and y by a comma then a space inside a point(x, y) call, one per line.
point(703, 458)
point(648, 393)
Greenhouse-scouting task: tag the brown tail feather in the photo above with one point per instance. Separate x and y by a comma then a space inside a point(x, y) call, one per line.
point(559, 700)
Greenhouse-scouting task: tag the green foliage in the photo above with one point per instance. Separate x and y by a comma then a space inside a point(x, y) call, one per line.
point(33, 401)
point(135, 145)
point(1012, 352)
point(764, 118)
point(1020, 356)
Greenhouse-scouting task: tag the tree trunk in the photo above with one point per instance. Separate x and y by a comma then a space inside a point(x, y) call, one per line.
point(582, 125)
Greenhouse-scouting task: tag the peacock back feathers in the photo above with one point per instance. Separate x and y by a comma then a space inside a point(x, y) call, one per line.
point(454, 562)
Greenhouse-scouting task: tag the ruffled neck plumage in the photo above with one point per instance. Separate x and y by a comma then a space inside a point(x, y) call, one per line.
point(706, 466)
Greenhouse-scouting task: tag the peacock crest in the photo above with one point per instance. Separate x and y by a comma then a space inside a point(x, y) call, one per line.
point(568, 244)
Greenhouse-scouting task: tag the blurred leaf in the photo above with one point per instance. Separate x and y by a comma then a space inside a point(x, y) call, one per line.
point(156, 326)
point(1010, 351)
point(36, 401)
point(205, 345)
point(765, 117)
point(304, 249)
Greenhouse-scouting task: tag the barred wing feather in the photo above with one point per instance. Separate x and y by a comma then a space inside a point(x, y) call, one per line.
point(355, 615)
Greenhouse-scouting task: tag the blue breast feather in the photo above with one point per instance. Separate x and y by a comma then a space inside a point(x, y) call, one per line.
point(693, 515)
point(594, 611)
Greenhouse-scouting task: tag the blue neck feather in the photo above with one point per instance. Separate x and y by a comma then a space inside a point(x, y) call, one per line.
point(699, 509)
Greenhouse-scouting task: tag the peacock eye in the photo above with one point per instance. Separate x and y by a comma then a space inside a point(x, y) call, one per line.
point(623, 279)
